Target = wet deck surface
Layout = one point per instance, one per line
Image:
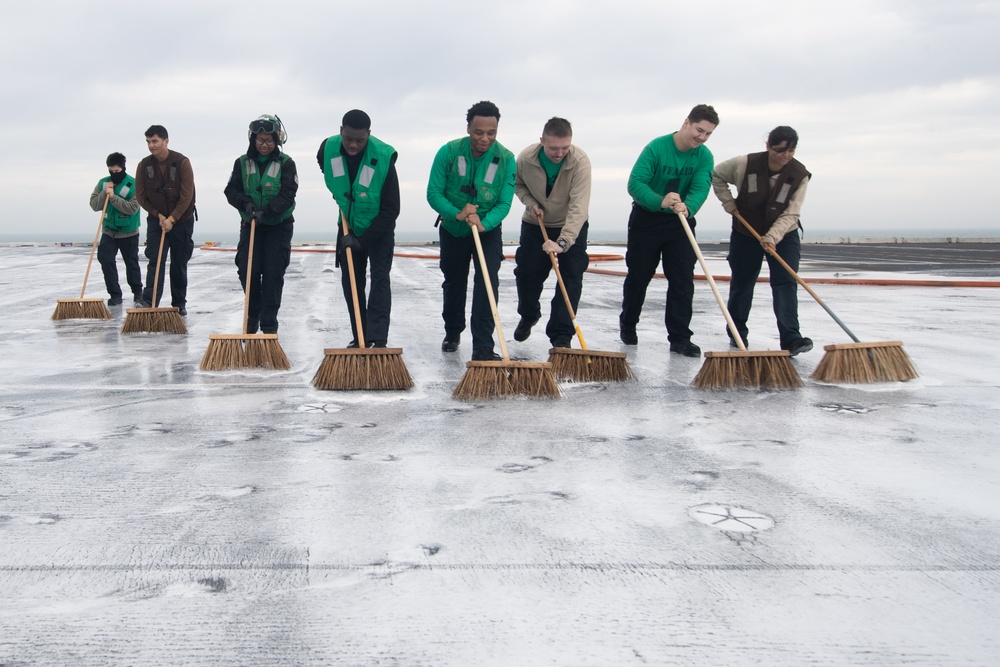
(154, 514)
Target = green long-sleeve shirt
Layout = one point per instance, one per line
(491, 188)
(661, 168)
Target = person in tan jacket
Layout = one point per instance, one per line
(553, 182)
(771, 188)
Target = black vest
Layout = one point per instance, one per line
(757, 201)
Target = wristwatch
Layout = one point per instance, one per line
(562, 243)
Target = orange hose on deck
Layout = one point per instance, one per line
(880, 282)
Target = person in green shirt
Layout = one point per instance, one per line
(471, 185)
(672, 176)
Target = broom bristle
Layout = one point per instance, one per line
(81, 309)
(153, 320)
(239, 351)
(768, 369)
(590, 365)
(861, 363)
(362, 368)
(503, 379)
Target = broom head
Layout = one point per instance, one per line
(590, 365)
(362, 368)
(764, 369)
(81, 309)
(153, 320)
(239, 351)
(503, 379)
(860, 363)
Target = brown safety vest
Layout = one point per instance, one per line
(164, 190)
(757, 201)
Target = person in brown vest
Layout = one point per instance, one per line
(771, 187)
(164, 186)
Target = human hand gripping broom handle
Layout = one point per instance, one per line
(711, 281)
(774, 253)
(562, 286)
(354, 285)
(97, 238)
(159, 258)
(489, 291)
(246, 295)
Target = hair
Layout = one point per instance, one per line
(557, 127)
(157, 130)
(703, 112)
(115, 159)
(357, 119)
(484, 109)
(781, 134)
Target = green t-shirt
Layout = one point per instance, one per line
(551, 170)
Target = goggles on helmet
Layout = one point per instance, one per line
(264, 125)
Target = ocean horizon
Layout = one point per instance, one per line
(313, 234)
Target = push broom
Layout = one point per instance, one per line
(771, 369)
(501, 379)
(361, 367)
(85, 309)
(238, 351)
(154, 320)
(856, 362)
(583, 365)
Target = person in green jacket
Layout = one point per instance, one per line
(120, 230)
(471, 185)
(672, 176)
(262, 186)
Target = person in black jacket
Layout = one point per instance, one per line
(360, 172)
(263, 186)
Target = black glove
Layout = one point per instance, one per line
(248, 208)
(350, 241)
(259, 215)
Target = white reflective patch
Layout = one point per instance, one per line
(251, 167)
(783, 193)
(124, 192)
(491, 173)
(366, 175)
(752, 182)
(337, 166)
(461, 165)
(274, 169)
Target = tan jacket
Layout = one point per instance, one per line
(568, 205)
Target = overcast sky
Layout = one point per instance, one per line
(897, 104)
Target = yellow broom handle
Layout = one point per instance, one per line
(159, 258)
(354, 285)
(489, 291)
(97, 238)
(246, 295)
(562, 285)
(711, 281)
(798, 279)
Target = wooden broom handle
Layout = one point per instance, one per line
(159, 258)
(711, 281)
(97, 238)
(489, 291)
(354, 285)
(246, 295)
(798, 279)
(562, 285)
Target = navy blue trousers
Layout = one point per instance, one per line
(745, 258)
